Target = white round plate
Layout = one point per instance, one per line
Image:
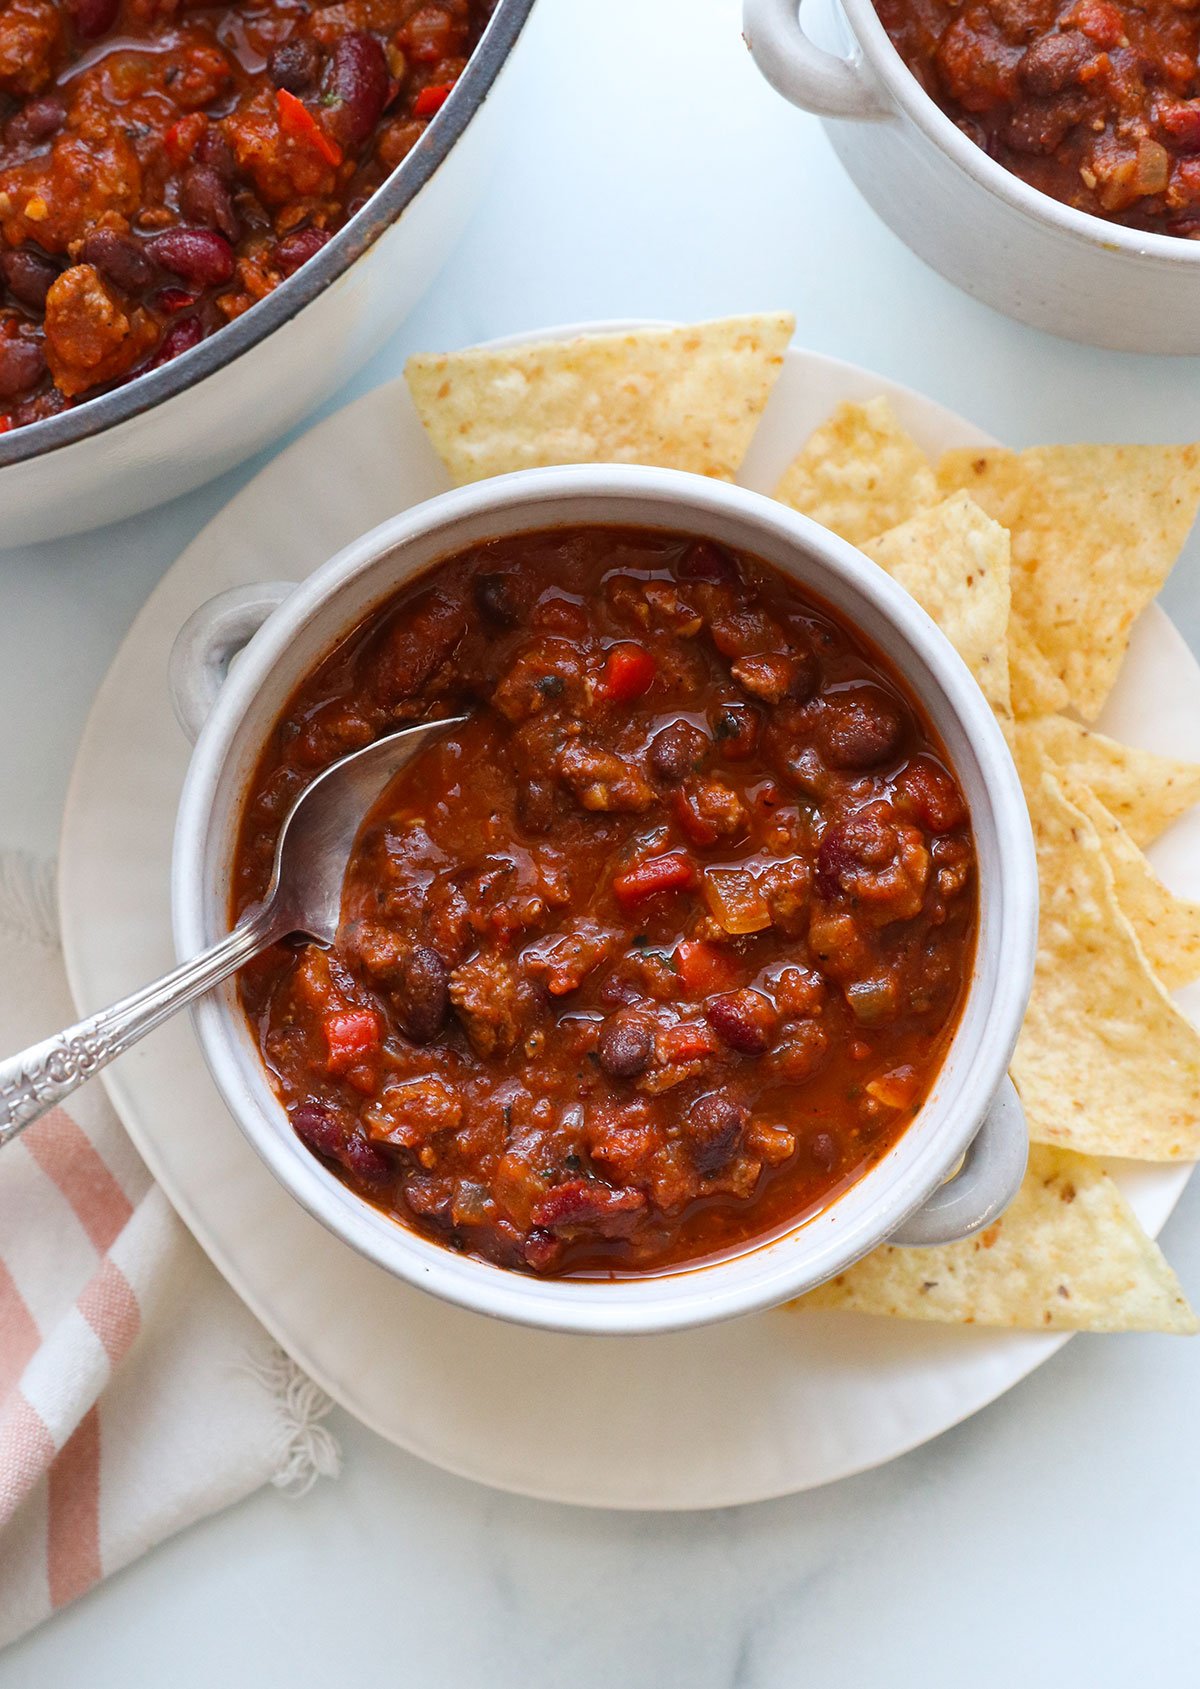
(758, 1407)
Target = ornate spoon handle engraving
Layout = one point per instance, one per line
(46, 1073)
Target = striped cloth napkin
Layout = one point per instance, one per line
(137, 1394)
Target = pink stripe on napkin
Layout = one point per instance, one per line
(64, 1153)
(73, 1514)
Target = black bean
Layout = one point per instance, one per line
(28, 276)
(295, 64)
(422, 994)
(713, 1129)
(1054, 62)
(626, 1046)
(498, 598)
(706, 561)
(677, 751)
(859, 727)
(121, 258)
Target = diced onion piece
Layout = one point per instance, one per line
(1153, 168)
(895, 1089)
(735, 901)
(872, 1001)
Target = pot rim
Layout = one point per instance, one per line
(144, 392)
(772, 1270)
(906, 92)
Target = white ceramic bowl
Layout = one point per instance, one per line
(966, 215)
(972, 1111)
(178, 426)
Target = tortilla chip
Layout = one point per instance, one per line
(1036, 689)
(860, 473)
(1168, 927)
(1105, 1062)
(1068, 1255)
(1144, 791)
(676, 398)
(1095, 531)
(954, 561)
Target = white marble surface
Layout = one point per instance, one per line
(1054, 1536)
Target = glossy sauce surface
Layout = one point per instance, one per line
(658, 952)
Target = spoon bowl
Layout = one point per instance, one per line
(304, 897)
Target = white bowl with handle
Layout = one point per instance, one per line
(969, 218)
(956, 1166)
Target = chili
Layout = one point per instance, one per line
(565, 1027)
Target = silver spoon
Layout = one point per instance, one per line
(304, 897)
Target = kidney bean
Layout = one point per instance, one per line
(22, 362)
(93, 18)
(36, 121)
(28, 276)
(422, 994)
(180, 337)
(319, 1128)
(859, 727)
(205, 199)
(200, 257)
(357, 78)
(121, 258)
(625, 1047)
(295, 64)
(214, 151)
(296, 249)
(713, 1129)
(678, 750)
(745, 1020)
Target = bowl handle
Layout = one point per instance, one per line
(209, 641)
(986, 1182)
(803, 73)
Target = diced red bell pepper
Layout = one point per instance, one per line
(704, 968)
(173, 299)
(628, 674)
(296, 120)
(6, 423)
(673, 872)
(432, 99)
(353, 1036)
(182, 138)
(687, 1041)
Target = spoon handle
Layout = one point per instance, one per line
(41, 1076)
